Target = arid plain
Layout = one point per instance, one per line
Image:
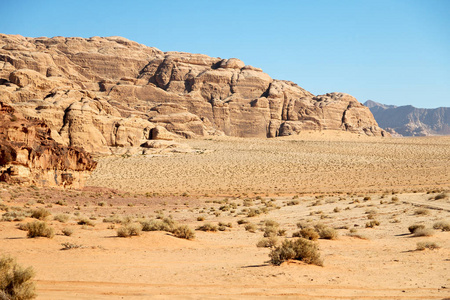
(370, 190)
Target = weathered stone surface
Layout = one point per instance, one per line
(99, 93)
(29, 155)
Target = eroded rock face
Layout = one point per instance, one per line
(29, 155)
(103, 92)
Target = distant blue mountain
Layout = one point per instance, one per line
(411, 121)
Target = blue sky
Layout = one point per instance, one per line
(394, 52)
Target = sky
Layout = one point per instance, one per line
(390, 51)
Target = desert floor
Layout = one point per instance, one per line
(339, 181)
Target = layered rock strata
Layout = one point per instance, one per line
(99, 93)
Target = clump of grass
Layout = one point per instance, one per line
(113, 219)
(298, 249)
(39, 229)
(85, 221)
(268, 242)
(184, 232)
(68, 246)
(307, 233)
(422, 212)
(326, 232)
(372, 224)
(15, 281)
(442, 225)
(63, 218)
(427, 245)
(242, 221)
(67, 231)
(414, 227)
(14, 216)
(201, 218)
(423, 232)
(250, 227)
(129, 230)
(40, 214)
(164, 224)
(207, 227)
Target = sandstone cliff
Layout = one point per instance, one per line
(102, 92)
(29, 155)
(411, 121)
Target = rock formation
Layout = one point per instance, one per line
(98, 93)
(29, 155)
(411, 121)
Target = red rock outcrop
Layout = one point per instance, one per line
(29, 155)
(103, 92)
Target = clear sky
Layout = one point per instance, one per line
(391, 51)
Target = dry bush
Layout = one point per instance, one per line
(250, 227)
(40, 214)
(326, 232)
(414, 227)
(165, 224)
(441, 196)
(14, 216)
(113, 219)
(67, 231)
(15, 281)
(201, 218)
(242, 221)
(427, 245)
(299, 249)
(307, 233)
(270, 231)
(129, 230)
(442, 225)
(422, 212)
(85, 221)
(372, 224)
(63, 218)
(423, 232)
(269, 242)
(39, 229)
(207, 227)
(68, 246)
(184, 232)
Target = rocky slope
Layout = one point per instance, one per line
(411, 121)
(29, 155)
(98, 93)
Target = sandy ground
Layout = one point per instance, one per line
(371, 263)
(309, 163)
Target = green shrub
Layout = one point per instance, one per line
(184, 232)
(39, 229)
(299, 249)
(442, 225)
(15, 281)
(129, 230)
(40, 214)
(414, 227)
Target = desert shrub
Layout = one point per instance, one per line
(129, 230)
(164, 224)
(423, 232)
(336, 209)
(422, 212)
(270, 231)
(38, 228)
(307, 233)
(85, 221)
(40, 214)
(67, 231)
(299, 249)
(113, 219)
(15, 281)
(14, 216)
(394, 199)
(242, 221)
(442, 225)
(22, 226)
(301, 225)
(222, 228)
(102, 203)
(229, 225)
(207, 227)
(414, 227)
(268, 242)
(427, 245)
(63, 218)
(281, 232)
(271, 223)
(441, 196)
(372, 224)
(326, 232)
(184, 232)
(250, 227)
(68, 246)
(293, 202)
(253, 212)
(200, 218)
